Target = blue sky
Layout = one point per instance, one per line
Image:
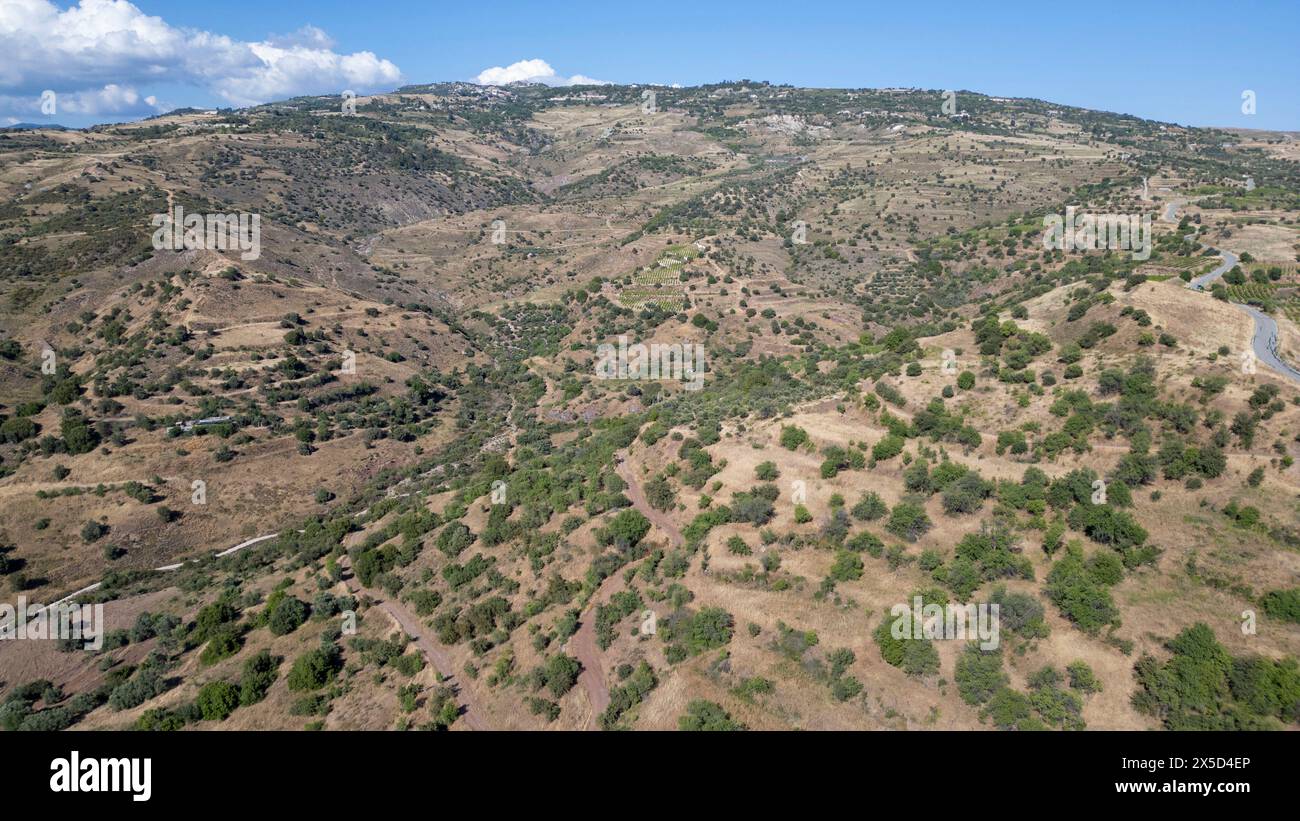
(1187, 63)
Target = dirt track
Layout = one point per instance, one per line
(436, 656)
(657, 517)
(583, 644)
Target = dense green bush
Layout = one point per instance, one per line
(888, 447)
(979, 674)
(914, 656)
(1202, 687)
(287, 615)
(144, 685)
(793, 437)
(869, 508)
(625, 530)
(1020, 613)
(847, 567)
(1282, 604)
(259, 674)
(966, 494)
(313, 669)
(908, 521)
(217, 700)
(560, 673)
(622, 699)
(1081, 597)
(709, 628)
(865, 542)
(704, 715)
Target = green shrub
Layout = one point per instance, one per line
(908, 521)
(847, 567)
(313, 669)
(914, 656)
(1080, 597)
(869, 508)
(217, 700)
(1202, 687)
(287, 615)
(1282, 604)
(259, 674)
(709, 716)
(1082, 678)
(793, 437)
(979, 674)
(888, 447)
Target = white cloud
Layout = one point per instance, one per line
(531, 71)
(111, 99)
(301, 70)
(99, 45)
(308, 36)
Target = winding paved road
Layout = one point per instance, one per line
(1264, 343)
(1229, 260)
(1264, 340)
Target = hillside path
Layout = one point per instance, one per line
(437, 657)
(583, 643)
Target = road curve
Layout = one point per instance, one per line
(1264, 340)
(1229, 261)
(1264, 343)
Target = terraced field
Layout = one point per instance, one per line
(660, 283)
